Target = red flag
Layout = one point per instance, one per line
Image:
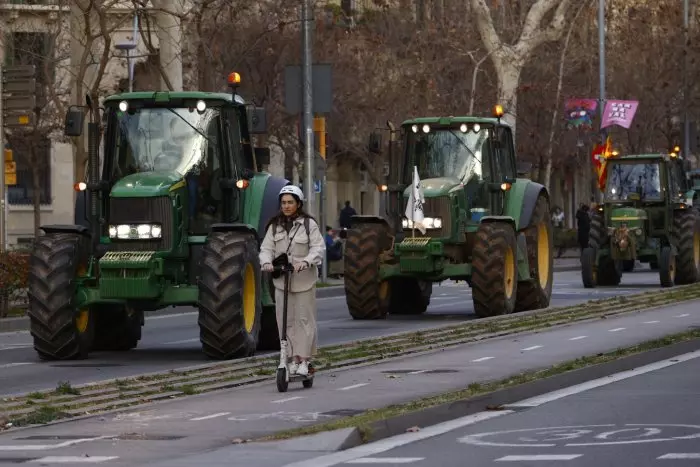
(603, 169)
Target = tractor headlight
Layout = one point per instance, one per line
(432, 222)
(135, 232)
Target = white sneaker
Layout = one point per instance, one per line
(293, 368)
(303, 369)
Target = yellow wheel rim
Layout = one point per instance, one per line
(509, 272)
(249, 297)
(696, 249)
(82, 319)
(383, 290)
(543, 254)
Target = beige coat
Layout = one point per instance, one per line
(310, 248)
(301, 306)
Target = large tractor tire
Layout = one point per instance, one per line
(406, 296)
(229, 296)
(60, 330)
(686, 227)
(608, 271)
(363, 293)
(667, 267)
(536, 293)
(494, 270)
(589, 268)
(117, 328)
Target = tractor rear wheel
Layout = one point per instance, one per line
(363, 293)
(494, 270)
(229, 295)
(589, 269)
(60, 330)
(686, 226)
(667, 267)
(536, 293)
(608, 271)
(407, 296)
(117, 328)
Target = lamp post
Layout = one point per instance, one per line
(601, 76)
(686, 92)
(127, 47)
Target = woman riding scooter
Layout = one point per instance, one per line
(294, 234)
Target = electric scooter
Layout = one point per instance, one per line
(283, 376)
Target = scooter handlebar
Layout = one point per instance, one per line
(285, 268)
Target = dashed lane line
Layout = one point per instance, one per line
(680, 455)
(577, 338)
(534, 347)
(72, 459)
(539, 457)
(354, 386)
(616, 329)
(281, 401)
(385, 460)
(209, 417)
(482, 359)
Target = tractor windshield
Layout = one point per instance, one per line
(163, 140)
(447, 153)
(642, 179)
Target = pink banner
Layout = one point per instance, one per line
(619, 113)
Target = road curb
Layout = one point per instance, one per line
(442, 413)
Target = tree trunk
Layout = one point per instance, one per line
(36, 196)
(508, 81)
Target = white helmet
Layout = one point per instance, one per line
(292, 190)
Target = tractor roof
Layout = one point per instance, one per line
(448, 121)
(165, 96)
(641, 157)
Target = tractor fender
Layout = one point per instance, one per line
(270, 203)
(235, 227)
(66, 228)
(521, 201)
(506, 219)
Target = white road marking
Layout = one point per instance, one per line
(385, 460)
(418, 372)
(577, 338)
(588, 385)
(184, 341)
(680, 455)
(46, 447)
(209, 417)
(532, 348)
(73, 459)
(354, 386)
(682, 316)
(540, 457)
(651, 322)
(397, 441)
(16, 346)
(482, 359)
(616, 329)
(10, 365)
(280, 401)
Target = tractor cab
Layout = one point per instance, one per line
(461, 161)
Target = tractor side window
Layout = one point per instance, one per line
(505, 156)
(204, 188)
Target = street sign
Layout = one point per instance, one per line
(19, 71)
(10, 179)
(317, 186)
(10, 168)
(322, 89)
(26, 103)
(19, 86)
(18, 119)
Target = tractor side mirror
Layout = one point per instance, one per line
(257, 121)
(75, 120)
(262, 156)
(375, 143)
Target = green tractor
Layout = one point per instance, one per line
(483, 225)
(172, 218)
(646, 215)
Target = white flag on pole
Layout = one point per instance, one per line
(414, 208)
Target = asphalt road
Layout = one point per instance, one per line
(199, 430)
(172, 341)
(647, 420)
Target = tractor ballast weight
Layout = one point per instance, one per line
(172, 214)
(485, 226)
(647, 215)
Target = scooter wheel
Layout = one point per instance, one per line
(308, 383)
(282, 383)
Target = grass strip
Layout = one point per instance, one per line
(364, 420)
(128, 392)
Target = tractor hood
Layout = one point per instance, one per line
(434, 187)
(632, 217)
(145, 184)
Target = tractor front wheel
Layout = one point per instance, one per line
(364, 294)
(686, 226)
(667, 267)
(406, 296)
(117, 328)
(229, 295)
(589, 269)
(536, 293)
(61, 330)
(494, 270)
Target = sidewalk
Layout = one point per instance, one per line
(202, 423)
